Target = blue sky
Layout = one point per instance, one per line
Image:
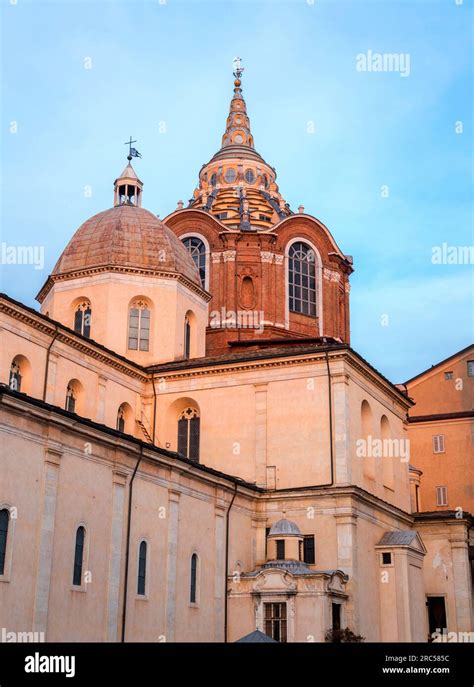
(162, 71)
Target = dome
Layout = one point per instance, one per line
(126, 236)
(285, 527)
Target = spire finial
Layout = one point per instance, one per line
(132, 152)
(238, 70)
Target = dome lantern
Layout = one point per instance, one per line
(128, 188)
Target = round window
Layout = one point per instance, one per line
(238, 120)
(249, 176)
(238, 138)
(230, 175)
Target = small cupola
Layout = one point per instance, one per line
(284, 541)
(128, 187)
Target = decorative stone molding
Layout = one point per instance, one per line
(216, 257)
(229, 255)
(279, 259)
(347, 287)
(331, 275)
(266, 256)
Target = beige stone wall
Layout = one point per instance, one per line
(89, 487)
(111, 295)
(270, 424)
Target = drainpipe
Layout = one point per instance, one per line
(154, 408)
(127, 551)
(227, 561)
(46, 369)
(331, 439)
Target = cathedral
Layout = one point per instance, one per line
(191, 449)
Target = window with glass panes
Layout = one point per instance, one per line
(302, 279)
(188, 433)
(141, 582)
(82, 319)
(139, 327)
(197, 250)
(275, 621)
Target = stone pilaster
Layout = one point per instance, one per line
(173, 513)
(115, 555)
(46, 538)
(346, 532)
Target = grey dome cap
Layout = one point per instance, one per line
(285, 527)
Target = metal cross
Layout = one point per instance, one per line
(129, 144)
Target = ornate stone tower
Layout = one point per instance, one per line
(272, 274)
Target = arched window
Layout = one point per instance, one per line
(197, 250)
(139, 327)
(302, 279)
(188, 433)
(79, 556)
(141, 582)
(193, 581)
(187, 338)
(82, 318)
(15, 376)
(70, 399)
(4, 520)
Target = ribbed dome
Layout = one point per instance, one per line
(284, 527)
(126, 236)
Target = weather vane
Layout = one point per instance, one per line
(238, 69)
(132, 152)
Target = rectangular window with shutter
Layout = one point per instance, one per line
(438, 443)
(441, 496)
(280, 549)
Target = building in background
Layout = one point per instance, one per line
(441, 433)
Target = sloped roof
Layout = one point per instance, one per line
(256, 637)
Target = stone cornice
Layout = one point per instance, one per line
(284, 361)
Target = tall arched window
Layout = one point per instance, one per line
(4, 520)
(193, 581)
(15, 376)
(79, 556)
(82, 318)
(188, 433)
(302, 279)
(141, 581)
(139, 326)
(197, 250)
(187, 338)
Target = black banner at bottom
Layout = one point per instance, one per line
(143, 664)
